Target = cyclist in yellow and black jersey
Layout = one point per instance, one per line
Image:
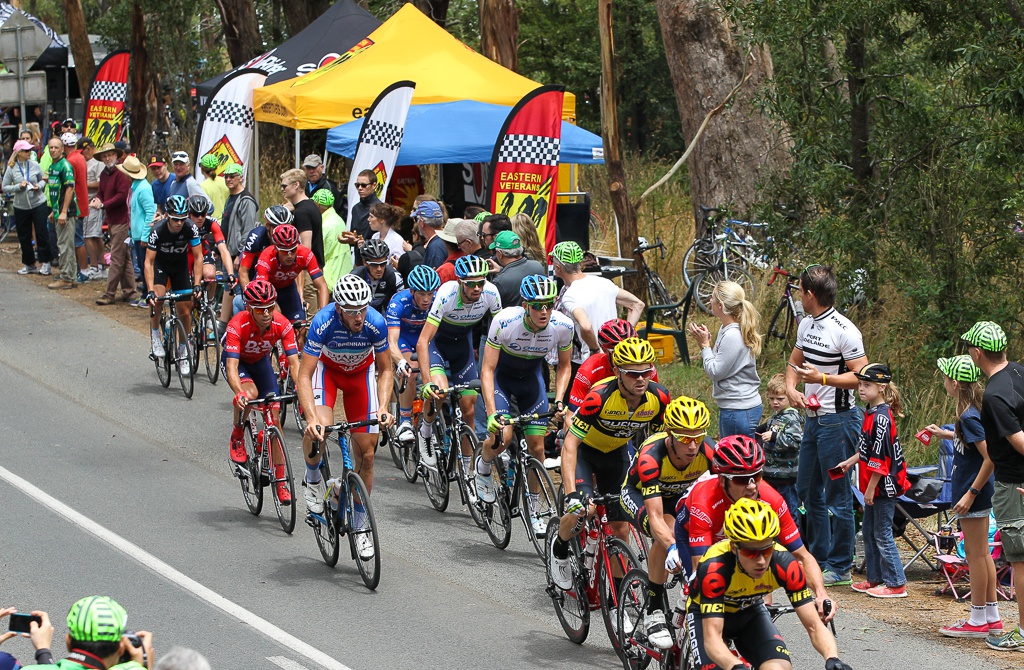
(594, 451)
(727, 597)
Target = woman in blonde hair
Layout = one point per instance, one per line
(732, 362)
(526, 229)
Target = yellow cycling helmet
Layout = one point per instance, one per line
(751, 521)
(685, 413)
(633, 351)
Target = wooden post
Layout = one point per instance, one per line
(625, 213)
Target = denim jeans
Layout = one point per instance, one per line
(881, 558)
(828, 440)
(788, 493)
(739, 421)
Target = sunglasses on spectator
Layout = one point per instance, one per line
(363, 185)
(473, 283)
(807, 270)
(756, 552)
(353, 312)
(638, 374)
(285, 186)
(541, 306)
(688, 439)
(744, 480)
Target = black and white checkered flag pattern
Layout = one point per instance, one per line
(532, 149)
(233, 113)
(382, 134)
(109, 90)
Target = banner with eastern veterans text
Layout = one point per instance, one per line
(227, 122)
(104, 112)
(524, 179)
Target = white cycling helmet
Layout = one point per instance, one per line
(351, 290)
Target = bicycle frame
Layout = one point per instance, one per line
(342, 430)
(520, 454)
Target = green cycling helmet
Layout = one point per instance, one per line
(97, 619)
(323, 196)
(209, 162)
(959, 368)
(567, 252)
(985, 335)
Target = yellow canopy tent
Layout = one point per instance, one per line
(407, 46)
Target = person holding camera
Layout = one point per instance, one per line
(35, 626)
(98, 640)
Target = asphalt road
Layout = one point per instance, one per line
(111, 484)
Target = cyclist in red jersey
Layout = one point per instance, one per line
(738, 462)
(281, 263)
(248, 343)
(599, 365)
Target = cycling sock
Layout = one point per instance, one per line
(426, 427)
(655, 595)
(483, 467)
(991, 612)
(560, 548)
(405, 413)
(155, 332)
(313, 474)
(467, 462)
(977, 615)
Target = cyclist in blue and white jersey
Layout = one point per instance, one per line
(406, 314)
(447, 341)
(512, 368)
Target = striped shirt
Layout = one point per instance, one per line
(828, 341)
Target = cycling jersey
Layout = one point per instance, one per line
(454, 318)
(594, 368)
(604, 421)
(703, 516)
(881, 453)
(722, 588)
(173, 250)
(403, 314)
(523, 349)
(338, 347)
(383, 289)
(257, 240)
(210, 235)
(828, 341)
(243, 339)
(653, 474)
(268, 267)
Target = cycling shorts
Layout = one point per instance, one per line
(607, 470)
(175, 278)
(211, 258)
(406, 346)
(635, 506)
(530, 396)
(261, 374)
(751, 630)
(457, 357)
(290, 303)
(358, 392)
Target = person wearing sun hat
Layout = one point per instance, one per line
(112, 200)
(141, 213)
(1002, 417)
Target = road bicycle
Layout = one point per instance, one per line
(788, 313)
(285, 383)
(448, 429)
(7, 225)
(405, 456)
(658, 294)
(177, 350)
(347, 508)
(517, 477)
(728, 254)
(267, 461)
(205, 339)
(597, 563)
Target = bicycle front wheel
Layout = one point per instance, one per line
(326, 534)
(281, 481)
(536, 514)
(633, 593)
(497, 516)
(571, 607)
(362, 533)
(659, 295)
(249, 474)
(181, 350)
(163, 363)
(618, 561)
(702, 256)
(211, 344)
(411, 456)
(706, 284)
(435, 477)
(467, 476)
(395, 411)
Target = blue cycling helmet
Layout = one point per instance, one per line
(471, 267)
(423, 278)
(538, 287)
(176, 207)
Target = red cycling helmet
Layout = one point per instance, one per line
(285, 237)
(613, 332)
(738, 455)
(259, 293)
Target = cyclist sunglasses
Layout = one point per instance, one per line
(638, 374)
(376, 264)
(541, 306)
(743, 480)
(263, 310)
(756, 552)
(353, 312)
(473, 283)
(689, 439)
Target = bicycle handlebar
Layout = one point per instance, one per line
(272, 398)
(174, 296)
(526, 418)
(346, 426)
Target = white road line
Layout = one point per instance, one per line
(171, 574)
(286, 663)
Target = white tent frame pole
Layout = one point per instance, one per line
(298, 158)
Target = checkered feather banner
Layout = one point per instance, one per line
(104, 112)
(227, 121)
(380, 138)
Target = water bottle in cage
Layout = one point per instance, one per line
(590, 547)
(510, 473)
(334, 494)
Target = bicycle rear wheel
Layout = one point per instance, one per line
(435, 478)
(327, 539)
(702, 256)
(545, 508)
(707, 283)
(250, 473)
(780, 329)
(633, 594)
(363, 531)
(211, 344)
(571, 607)
(497, 516)
(640, 545)
(182, 351)
(659, 295)
(620, 559)
(285, 510)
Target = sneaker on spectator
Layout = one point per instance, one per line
(995, 627)
(83, 277)
(832, 578)
(28, 270)
(862, 587)
(1012, 641)
(886, 591)
(141, 303)
(61, 285)
(45, 269)
(964, 628)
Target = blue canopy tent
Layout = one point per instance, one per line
(461, 132)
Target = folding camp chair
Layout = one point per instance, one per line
(949, 554)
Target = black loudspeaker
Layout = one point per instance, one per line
(572, 221)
